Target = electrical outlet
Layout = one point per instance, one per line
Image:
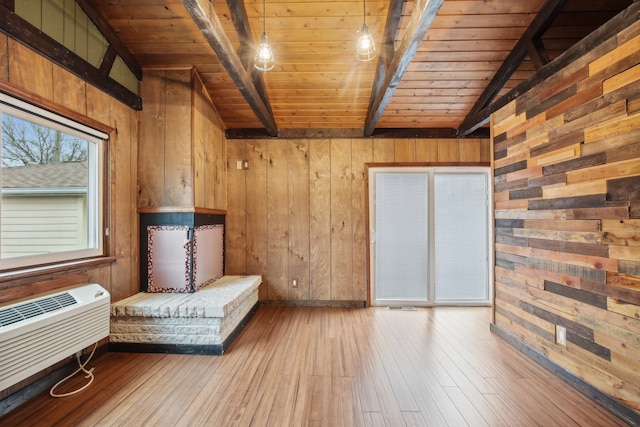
(561, 335)
(294, 283)
(239, 165)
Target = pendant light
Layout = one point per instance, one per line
(264, 60)
(366, 49)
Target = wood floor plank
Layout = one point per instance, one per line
(368, 395)
(277, 416)
(374, 419)
(573, 405)
(514, 393)
(423, 387)
(414, 419)
(513, 415)
(178, 398)
(141, 385)
(320, 366)
(468, 410)
(352, 414)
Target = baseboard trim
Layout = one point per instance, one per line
(614, 406)
(134, 347)
(314, 303)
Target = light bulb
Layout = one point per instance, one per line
(366, 49)
(264, 60)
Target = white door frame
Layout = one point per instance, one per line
(371, 212)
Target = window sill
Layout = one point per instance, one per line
(18, 277)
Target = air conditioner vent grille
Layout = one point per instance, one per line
(35, 308)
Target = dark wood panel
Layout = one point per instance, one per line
(559, 178)
(516, 259)
(540, 107)
(564, 141)
(612, 290)
(593, 275)
(529, 193)
(590, 346)
(511, 168)
(509, 223)
(629, 267)
(590, 201)
(591, 298)
(508, 240)
(576, 328)
(506, 142)
(570, 247)
(624, 189)
(541, 332)
(507, 265)
(579, 163)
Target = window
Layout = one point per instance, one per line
(52, 187)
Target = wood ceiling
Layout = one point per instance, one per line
(435, 58)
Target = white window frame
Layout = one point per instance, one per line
(95, 182)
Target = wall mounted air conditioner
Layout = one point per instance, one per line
(41, 331)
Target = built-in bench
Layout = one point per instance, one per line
(204, 322)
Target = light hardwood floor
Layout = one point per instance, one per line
(329, 367)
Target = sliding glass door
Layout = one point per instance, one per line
(429, 235)
(461, 237)
(401, 237)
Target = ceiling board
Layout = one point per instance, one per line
(317, 82)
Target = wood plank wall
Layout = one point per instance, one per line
(28, 71)
(567, 216)
(209, 157)
(299, 211)
(40, 79)
(182, 145)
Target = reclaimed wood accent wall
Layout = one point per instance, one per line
(567, 217)
(36, 77)
(299, 211)
(182, 146)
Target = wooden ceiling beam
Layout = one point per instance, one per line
(612, 27)
(422, 16)
(387, 46)
(108, 59)
(241, 23)
(538, 26)
(538, 53)
(349, 133)
(19, 29)
(204, 16)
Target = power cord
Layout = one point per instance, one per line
(89, 374)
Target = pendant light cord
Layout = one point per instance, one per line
(264, 17)
(364, 12)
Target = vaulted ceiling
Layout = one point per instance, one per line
(440, 63)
